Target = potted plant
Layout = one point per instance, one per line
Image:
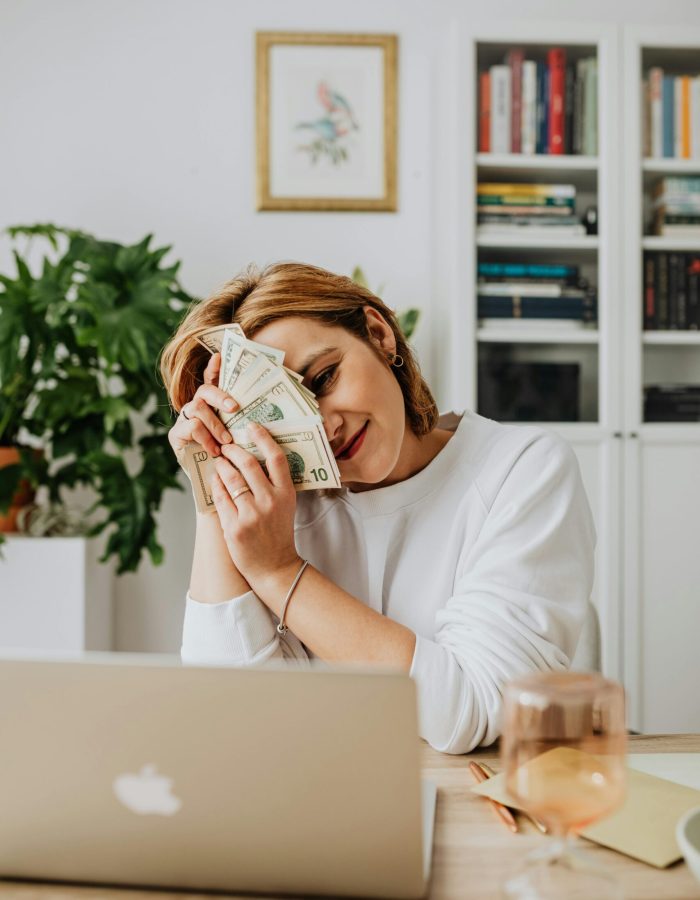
(81, 404)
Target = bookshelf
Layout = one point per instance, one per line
(594, 349)
(640, 476)
(660, 459)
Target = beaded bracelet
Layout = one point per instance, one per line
(281, 627)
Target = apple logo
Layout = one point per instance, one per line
(147, 793)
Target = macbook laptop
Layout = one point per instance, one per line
(136, 770)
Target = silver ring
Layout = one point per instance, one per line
(240, 491)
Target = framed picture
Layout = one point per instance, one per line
(326, 121)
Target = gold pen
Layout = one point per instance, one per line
(503, 812)
(540, 826)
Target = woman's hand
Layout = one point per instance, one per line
(256, 511)
(198, 421)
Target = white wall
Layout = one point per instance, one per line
(124, 117)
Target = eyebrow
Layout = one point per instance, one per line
(310, 360)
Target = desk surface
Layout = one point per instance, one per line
(472, 850)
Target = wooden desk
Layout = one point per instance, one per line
(472, 850)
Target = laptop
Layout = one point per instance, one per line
(136, 770)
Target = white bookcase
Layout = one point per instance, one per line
(641, 478)
(661, 461)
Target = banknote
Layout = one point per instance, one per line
(311, 463)
(276, 398)
(213, 338)
(304, 444)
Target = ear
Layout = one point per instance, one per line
(380, 332)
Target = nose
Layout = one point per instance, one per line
(332, 421)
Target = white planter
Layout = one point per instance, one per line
(54, 594)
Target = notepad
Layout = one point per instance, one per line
(644, 827)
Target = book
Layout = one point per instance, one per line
(528, 126)
(677, 115)
(590, 109)
(500, 140)
(569, 81)
(525, 209)
(668, 107)
(556, 63)
(695, 118)
(649, 318)
(541, 109)
(530, 231)
(581, 65)
(655, 121)
(685, 116)
(543, 200)
(514, 60)
(519, 289)
(527, 270)
(484, 112)
(499, 188)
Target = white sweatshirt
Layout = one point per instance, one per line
(486, 554)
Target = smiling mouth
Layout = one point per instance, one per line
(354, 444)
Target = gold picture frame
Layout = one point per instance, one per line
(284, 171)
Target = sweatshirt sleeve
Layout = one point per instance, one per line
(519, 598)
(241, 631)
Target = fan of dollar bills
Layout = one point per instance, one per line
(272, 395)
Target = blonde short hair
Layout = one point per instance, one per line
(256, 297)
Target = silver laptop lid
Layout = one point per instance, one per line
(137, 770)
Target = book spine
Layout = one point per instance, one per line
(656, 76)
(516, 189)
(682, 301)
(673, 270)
(649, 276)
(526, 270)
(556, 63)
(662, 292)
(590, 133)
(540, 146)
(578, 104)
(695, 117)
(500, 109)
(685, 116)
(514, 60)
(529, 108)
(484, 112)
(668, 115)
(694, 294)
(569, 81)
(677, 116)
(528, 199)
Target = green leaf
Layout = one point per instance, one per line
(9, 482)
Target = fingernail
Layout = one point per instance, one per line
(230, 405)
(215, 451)
(225, 437)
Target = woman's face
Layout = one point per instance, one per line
(359, 397)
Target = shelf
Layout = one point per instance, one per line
(688, 338)
(671, 243)
(545, 167)
(586, 242)
(671, 166)
(529, 335)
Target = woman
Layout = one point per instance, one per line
(458, 549)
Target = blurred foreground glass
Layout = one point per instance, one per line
(563, 752)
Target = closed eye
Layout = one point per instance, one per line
(321, 382)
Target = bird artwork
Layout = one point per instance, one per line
(329, 132)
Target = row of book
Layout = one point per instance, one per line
(545, 295)
(671, 115)
(541, 210)
(672, 403)
(676, 207)
(546, 106)
(671, 291)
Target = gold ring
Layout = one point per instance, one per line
(239, 492)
